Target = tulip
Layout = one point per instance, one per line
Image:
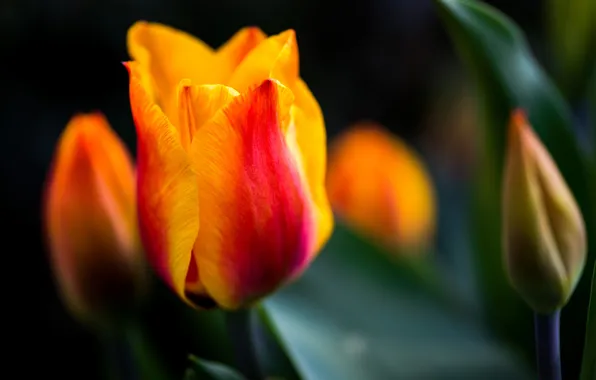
(231, 163)
(380, 187)
(544, 233)
(90, 220)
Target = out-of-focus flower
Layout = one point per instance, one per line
(544, 233)
(379, 186)
(231, 163)
(90, 220)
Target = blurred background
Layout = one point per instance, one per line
(384, 60)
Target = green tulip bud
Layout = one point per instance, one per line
(544, 232)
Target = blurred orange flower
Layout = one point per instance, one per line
(380, 187)
(90, 219)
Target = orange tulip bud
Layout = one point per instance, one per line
(544, 233)
(380, 187)
(90, 219)
(231, 163)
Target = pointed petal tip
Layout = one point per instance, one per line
(87, 122)
(267, 88)
(254, 31)
(184, 85)
(272, 88)
(137, 25)
(518, 124)
(128, 66)
(519, 116)
(267, 85)
(288, 37)
(95, 117)
(289, 34)
(139, 22)
(78, 117)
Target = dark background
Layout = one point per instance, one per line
(384, 60)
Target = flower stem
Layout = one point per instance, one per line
(548, 352)
(239, 325)
(119, 357)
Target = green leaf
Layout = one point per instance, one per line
(273, 360)
(130, 351)
(357, 314)
(574, 48)
(591, 95)
(507, 76)
(589, 357)
(175, 329)
(202, 369)
(149, 364)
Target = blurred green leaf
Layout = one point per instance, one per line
(357, 314)
(507, 76)
(592, 109)
(202, 369)
(149, 364)
(273, 360)
(574, 47)
(589, 357)
(173, 330)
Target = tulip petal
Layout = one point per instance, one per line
(312, 142)
(169, 55)
(167, 189)
(276, 58)
(565, 218)
(90, 211)
(258, 221)
(233, 52)
(528, 226)
(114, 172)
(198, 104)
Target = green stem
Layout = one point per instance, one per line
(129, 354)
(239, 325)
(120, 361)
(588, 370)
(548, 353)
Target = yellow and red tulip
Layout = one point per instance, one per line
(231, 163)
(380, 187)
(90, 219)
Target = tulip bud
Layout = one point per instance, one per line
(544, 233)
(381, 188)
(90, 220)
